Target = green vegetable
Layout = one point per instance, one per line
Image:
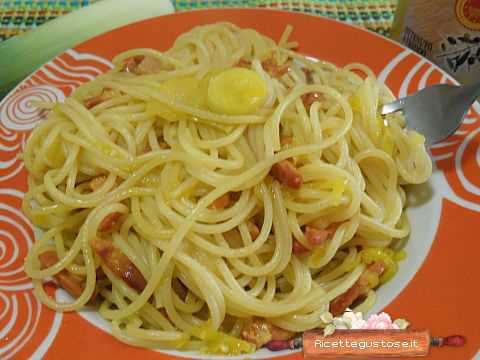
(23, 54)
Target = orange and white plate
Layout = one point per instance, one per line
(437, 286)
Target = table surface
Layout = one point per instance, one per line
(18, 16)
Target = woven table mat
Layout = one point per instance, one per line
(18, 16)
(376, 15)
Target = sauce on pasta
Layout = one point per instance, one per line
(221, 194)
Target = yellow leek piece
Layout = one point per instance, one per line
(236, 91)
(386, 256)
(217, 342)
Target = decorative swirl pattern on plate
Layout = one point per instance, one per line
(16, 236)
(459, 159)
(18, 112)
(19, 318)
(27, 329)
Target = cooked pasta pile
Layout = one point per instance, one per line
(221, 194)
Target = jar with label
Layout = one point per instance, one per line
(445, 31)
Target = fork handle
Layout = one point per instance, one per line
(472, 90)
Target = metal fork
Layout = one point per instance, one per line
(436, 111)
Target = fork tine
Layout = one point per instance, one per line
(393, 106)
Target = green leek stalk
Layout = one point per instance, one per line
(23, 54)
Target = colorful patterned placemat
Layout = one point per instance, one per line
(376, 15)
(18, 16)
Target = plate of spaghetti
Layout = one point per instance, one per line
(204, 183)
